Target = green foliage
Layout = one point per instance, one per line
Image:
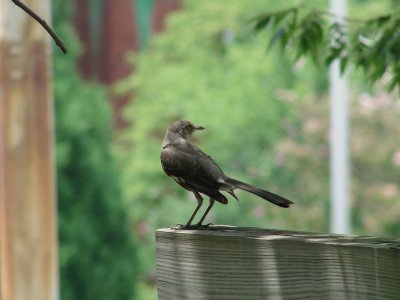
(266, 122)
(96, 250)
(375, 164)
(371, 44)
(203, 68)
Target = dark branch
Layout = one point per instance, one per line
(42, 22)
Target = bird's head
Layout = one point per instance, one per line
(184, 128)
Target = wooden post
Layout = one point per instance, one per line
(252, 263)
(28, 252)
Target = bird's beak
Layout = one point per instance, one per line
(199, 127)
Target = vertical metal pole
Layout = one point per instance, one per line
(339, 159)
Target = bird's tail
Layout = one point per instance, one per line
(271, 197)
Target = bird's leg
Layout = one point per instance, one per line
(199, 204)
(212, 201)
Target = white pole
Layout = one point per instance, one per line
(339, 159)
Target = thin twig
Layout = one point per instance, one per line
(42, 22)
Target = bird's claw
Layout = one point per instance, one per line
(177, 227)
(204, 226)
(183, 227)
(190, 226)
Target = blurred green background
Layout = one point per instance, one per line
(266, 122)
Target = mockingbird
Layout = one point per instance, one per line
(197, 172)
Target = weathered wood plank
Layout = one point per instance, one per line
(250, 263)
(28, 252)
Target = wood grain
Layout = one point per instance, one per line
(28, 243)
(251, 263)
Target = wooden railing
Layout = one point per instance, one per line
(252, 263)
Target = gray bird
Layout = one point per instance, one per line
(197, 172)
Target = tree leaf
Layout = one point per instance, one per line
(382, 19)
(278, 34)
(395, 81)
(262, 23)
(317, 29)
(343, 64)
(374, 44)
(334, 53)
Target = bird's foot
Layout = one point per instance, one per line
(204, 226)
(190, 226)
(177, 227)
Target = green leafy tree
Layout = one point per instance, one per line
(205, 69)
(266, 121)
(371, 44)
(303, 155)
(97, 254)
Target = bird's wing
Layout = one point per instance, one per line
(207, 158)
(192, 166)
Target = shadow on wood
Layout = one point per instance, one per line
(250, 263)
